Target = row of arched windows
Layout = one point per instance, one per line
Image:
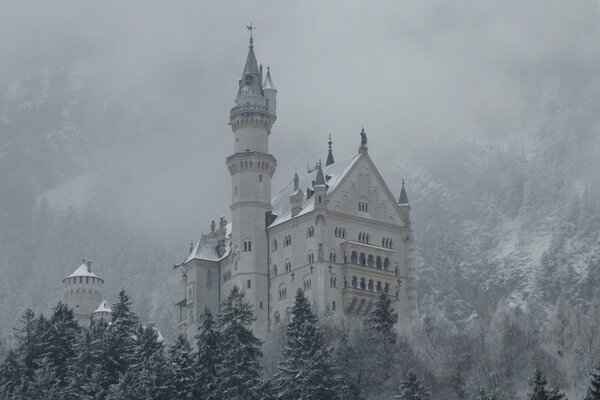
(363, 237)
(369, 260)
(282, 293)
(310, 232)
(332, 256)
(369, 285)
(387, 242)
(288, 316)
(363, 206)
(307, 284)
(332, 281)
(340, 232)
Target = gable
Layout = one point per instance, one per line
(363, 192)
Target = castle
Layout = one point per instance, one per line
(337, 233)
(83, 294)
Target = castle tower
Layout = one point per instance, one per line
(103, 312)
(83, 292)
(251, 168)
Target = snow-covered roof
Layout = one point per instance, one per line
(334, 172)
(82, 270)
(206, 247)
(103, 307)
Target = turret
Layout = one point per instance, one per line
(320, 188)
(83, 292)
(297, 197)
(270, 93)
(103, 312)
(404, 204)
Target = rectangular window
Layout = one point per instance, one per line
(249, 284)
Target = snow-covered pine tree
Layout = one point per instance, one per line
(11, 377)
(44, 386)
(308, 371)
(483, 395)
(539, 390)
(383, 318)
(413, 388)
(594, 388)
(239, 372)
(118, 344)
(208, 358)
(60, 348)
(27, 348)
(183, 368)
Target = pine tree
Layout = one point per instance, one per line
(118, 346)
(539, 391)
(240, 369)
(11, 377)
(483, 395)
(594, 388)
(183, 368)
(61, 341)
(27, 348)
(308, 370)
(413, 389)
(208, 357)
(383, 318)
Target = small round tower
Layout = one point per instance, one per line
(83, 292)
(103, 312)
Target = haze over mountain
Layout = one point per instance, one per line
(113, 137)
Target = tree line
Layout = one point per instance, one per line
(55, 358)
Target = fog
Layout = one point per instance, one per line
(412, 73)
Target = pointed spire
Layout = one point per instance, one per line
(330, 159)
(251, 82)
(320, 180)
(268, 81)
(296, 182)
(403, 200)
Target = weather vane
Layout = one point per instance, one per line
(251, 28)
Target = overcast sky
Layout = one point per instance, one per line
(413, 72)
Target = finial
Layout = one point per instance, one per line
(330, 142)
(251, 27)
(363, 138)
(330, 153)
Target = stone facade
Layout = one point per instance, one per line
(337, 232)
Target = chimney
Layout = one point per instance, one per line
(89, 266)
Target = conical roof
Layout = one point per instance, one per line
(268, 81)
(250, 84)
(103, 307)
(82, 270)
(330, 159)
(320, 179)
(403, 197)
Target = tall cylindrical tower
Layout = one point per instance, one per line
(251, 168)
(83, 292)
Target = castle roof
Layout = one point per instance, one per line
(103, 307)
(335, 174)
(250, 84)
(82, 270)
(268, 81)
(205, 248)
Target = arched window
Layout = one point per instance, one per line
(247, 245)
(354, 258)
(288, 266)
(310, 231)
(248, 284)
(386, 263)
(333, 305)
(370, 287)
(288, 314)
(362, 259)
(370, 260)
(378, 287)
(363, 285)
(274, 269)
(277, 317)
(354, 282)
(378, 262)
(274, 245)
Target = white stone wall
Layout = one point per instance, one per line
(82, 295)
